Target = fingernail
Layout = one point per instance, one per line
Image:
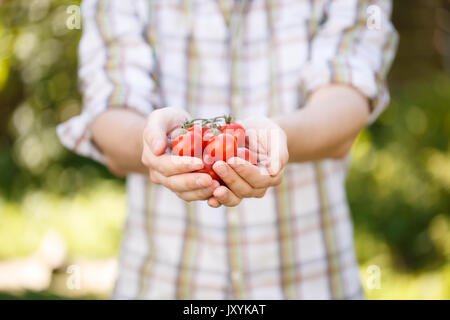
(233, 161)
(196, 165)
(236, 161)
(221, 170)
(202, 182)
(219, 194)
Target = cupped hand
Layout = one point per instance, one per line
(244, 180)
(174, 172)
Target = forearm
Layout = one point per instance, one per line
(327, 125)
(118, 135)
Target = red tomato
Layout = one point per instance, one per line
(247, 155)
(192, 128)
(237, 131)
(196, 127)
(212, 142)
(221, 147)
(207, 168)
(208, 134)
(188, 144)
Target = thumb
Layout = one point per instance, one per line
(159, 143)
(155, 138)
(278, 152)
(160, 123)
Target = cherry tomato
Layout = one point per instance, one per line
(247, 155)
(188, 144)
(196, 127)
(208, 134)
(212, 142)
(207, 168)
(237, 131)
(221, 147)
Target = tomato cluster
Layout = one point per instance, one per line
(212, 140)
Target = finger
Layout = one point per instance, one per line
(176, 132)
(169, 165)
(199, 194)
(256, 176)
(247, 155)
(213, 202)
(275, 163)
(278, 154)
(183, 182)
(233, 181)
(261, 193)
(226, 197)
(257, 140)
(278, 178)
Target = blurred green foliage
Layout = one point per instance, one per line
(398, 187)
(90, 221)
(38, 89)
(400, 183)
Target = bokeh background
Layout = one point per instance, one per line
(60, 212)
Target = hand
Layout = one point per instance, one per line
(174, 172)
(244, 180)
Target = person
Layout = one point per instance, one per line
(311, 71)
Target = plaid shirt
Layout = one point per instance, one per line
(241, 58)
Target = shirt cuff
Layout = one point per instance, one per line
(76, 135)
(357, 75)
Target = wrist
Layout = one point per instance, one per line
(137, 136)
(118, 133)
(292, 127)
